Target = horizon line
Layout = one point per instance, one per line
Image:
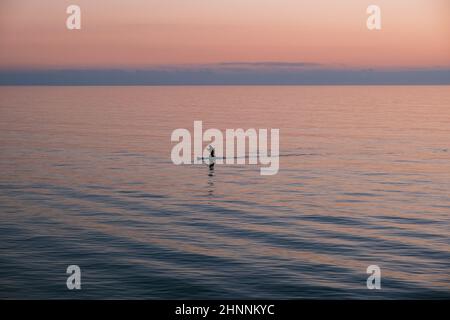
(231, 74)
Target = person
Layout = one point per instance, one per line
(212, 155)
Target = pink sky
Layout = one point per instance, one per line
(133, 33)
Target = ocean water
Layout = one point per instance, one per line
(86, 179)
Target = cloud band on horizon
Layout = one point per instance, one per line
(230, 73)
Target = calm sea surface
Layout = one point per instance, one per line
(86, 178)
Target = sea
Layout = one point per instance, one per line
(87, 179)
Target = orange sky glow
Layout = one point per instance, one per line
(139, 34)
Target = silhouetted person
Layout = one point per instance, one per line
(212, 160)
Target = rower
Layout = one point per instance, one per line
(212, 156)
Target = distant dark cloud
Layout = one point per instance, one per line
(270, 64)
(230, 73)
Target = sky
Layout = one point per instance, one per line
(247, 38)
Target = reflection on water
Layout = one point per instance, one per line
(211, 182)
(86, 179)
